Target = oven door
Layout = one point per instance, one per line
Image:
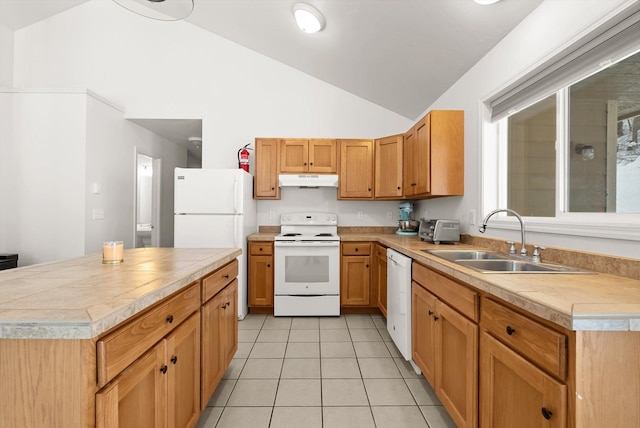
(305, 268)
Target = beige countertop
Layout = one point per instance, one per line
(81, 298)
(574, 301)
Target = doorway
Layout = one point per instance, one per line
(147, 213)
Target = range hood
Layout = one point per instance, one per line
(308, 180)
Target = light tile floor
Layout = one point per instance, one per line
(321, 372)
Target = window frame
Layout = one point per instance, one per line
(494, 158)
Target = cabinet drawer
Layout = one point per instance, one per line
(126, 344)
(212, 284)
(545, 347)
(380, 252)
(458, 296)
(260, 248)
(356, 249)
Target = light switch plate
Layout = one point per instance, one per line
(98, 214)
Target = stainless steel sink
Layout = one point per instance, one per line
(491, 262)
(453, 255)
(517, 266)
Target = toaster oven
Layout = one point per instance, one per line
(439, 230)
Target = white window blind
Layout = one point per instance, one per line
(613, 41)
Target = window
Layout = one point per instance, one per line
(566, 137)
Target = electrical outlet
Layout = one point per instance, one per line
(472, 217)
(389, 215)
(360, 215)
(425, 215)
(272, 214)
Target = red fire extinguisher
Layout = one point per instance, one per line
(243, 157)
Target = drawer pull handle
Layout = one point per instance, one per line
(174, 359)
(430, 312)
(546, 413)
(357, 250)
(510, 330)
(226, 276)
(170, 319)
(268, 265)
(436, 318)
(260, 249)
(163, 369)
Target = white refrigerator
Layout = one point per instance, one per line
(214, 208)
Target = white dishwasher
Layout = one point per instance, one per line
(399, 301)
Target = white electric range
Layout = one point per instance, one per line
(307, 265)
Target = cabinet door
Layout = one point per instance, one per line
(381, 278)
(183, 375)
(136, 398)
(230, 323)
(266, 164)
(515, 393)
(260, 280)
(388, 167)
(323, 156)
(211, 351)
(447, 152)
(423, 339)
(422, 156)
(457, 365)
(409, 148)
(355, 279)
(356, 169)
(294, 156)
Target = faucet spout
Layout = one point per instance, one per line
(483, 228)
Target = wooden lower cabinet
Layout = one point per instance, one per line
(219, 338)
(261, 270)
(161, 389)
(515, 393)
(457, 365)
(380, 277)
(355, 274)
(445, 348)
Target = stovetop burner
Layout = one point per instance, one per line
(323, 234)
(291, 234)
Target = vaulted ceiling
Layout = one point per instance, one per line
(399, 54)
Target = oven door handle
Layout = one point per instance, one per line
(314, 244)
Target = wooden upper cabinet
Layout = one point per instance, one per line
(434, 155)
(356, 169)
(388, 167)
(308, 155)
(266, 164)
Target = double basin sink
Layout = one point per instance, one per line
(492, 262)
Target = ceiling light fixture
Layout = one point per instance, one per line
(161, 10)
(484, 2)
(308, 18)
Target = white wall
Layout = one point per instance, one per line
(42, 175)
(554, 24)
(174, 70)
(6, 56)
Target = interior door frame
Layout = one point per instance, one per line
(156, 193)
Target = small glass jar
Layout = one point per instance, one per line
(112, 252)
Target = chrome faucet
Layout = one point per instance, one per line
(483, 228)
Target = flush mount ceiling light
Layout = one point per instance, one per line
(483, 2)
(308, 18)
(161, 10)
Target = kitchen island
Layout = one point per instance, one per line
(70, 331)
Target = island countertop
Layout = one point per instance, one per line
(82, 298)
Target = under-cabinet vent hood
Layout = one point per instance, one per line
(308, 180)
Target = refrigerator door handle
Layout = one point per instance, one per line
(237, 232)
(236, 195)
